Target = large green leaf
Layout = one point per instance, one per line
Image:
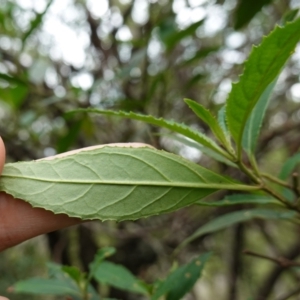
(255, 120)
(262, 67)
(182, 280)
(229, 219)
(119, 277)
(171, 125)
(113, 183)
(206, 116)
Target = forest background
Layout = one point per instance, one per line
(144, 56)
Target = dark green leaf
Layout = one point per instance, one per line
(255, 120)
(176, 37)
(240, 199)
(262, 67)
(230, 219)
(182, 280)
(246, 10)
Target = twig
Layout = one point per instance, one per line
(282, 261)
(271, 279)
(276, 180)
(295, 177)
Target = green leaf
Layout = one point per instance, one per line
(206, 151)
(173, 39)
(205, 115)
(290, 15)
(74, 273)
(115, 183)
(255, 120)
(262, 67)
(246, 10)
(236, 199)
(118, 277)
(35, 23)
(230, 219)
(101, 255)
(223, 122)
(40, 286)
(289, 166)
(182, 280)
(171, 125)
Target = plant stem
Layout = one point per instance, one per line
(282, 261)
(281, 198)
(276, 180)
(296, 184)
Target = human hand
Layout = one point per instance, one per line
(19, 221)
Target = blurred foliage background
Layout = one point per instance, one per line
(144, 56)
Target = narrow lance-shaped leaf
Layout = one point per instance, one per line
(222, 121)
(115, 183)
(255, 120)
(201, 148)
(236, 199)
(289, 166)
(171, 125)
(230, 219)
(182, 280)
(206, 116)
(262, 67)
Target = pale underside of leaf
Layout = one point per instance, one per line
(113, 183)
(263, 66)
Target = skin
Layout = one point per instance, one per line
(19, 221)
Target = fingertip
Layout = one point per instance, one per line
(2, 156)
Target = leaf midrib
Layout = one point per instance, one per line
(231, 186)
